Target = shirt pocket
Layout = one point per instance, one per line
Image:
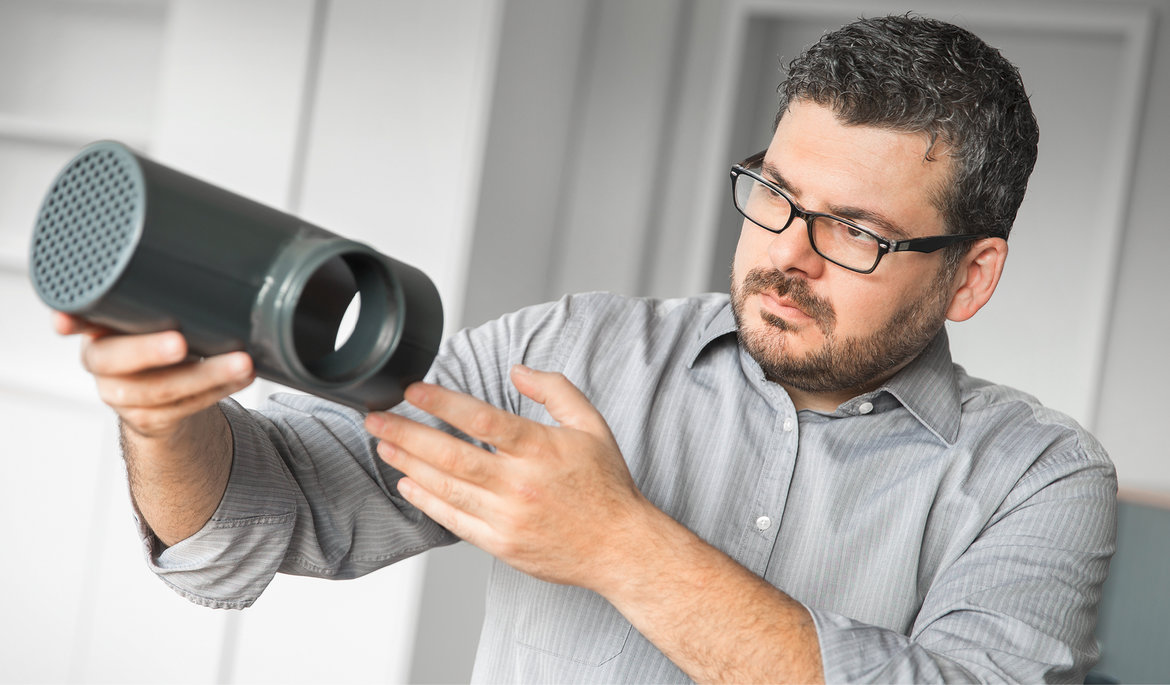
(570, 623)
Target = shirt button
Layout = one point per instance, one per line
(865, 407)
(787, 425)
(763, 523)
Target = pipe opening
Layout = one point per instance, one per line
(344, 318)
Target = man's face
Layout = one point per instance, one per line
(811, 324)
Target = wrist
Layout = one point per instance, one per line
(177, 478)
(642, 546)
(712, 617)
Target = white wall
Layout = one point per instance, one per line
(1136, 370)
(345, 112)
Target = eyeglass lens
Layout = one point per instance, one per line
(834, 240)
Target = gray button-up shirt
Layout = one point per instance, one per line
(938, 528)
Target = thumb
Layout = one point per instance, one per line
(67, 324)
(564, 402)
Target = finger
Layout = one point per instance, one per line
(440, 450)
(67, 324)
(156, 420)
(566, 404)
(177, 385)
(476, 418)
(461, 524)
(116, 355)
(460, 494)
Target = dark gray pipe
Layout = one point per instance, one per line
(128, 243)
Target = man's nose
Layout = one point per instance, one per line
(791, 251)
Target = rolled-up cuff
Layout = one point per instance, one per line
(854, 652)
(229, 562)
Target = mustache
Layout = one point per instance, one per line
(796, 290)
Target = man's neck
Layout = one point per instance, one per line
(822, 402)
(828, 401)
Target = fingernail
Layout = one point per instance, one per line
(173, 347)
(240, 364)
(375, 422)
(522, 370)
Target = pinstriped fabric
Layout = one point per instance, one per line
(938, 528)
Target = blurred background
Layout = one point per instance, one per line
(516, 150)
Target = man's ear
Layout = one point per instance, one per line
(976, 278)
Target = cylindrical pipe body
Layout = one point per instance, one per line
(136, 246)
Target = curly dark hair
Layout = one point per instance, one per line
(919, 75)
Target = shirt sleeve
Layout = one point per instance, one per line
(1020, 605)
(307, 493)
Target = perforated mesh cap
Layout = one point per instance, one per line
(87, 228)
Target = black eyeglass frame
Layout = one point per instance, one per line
(924, 244)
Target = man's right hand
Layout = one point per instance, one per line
(148, 380)
(176, 442)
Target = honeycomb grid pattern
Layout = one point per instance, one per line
(86, 223)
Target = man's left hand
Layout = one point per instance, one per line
(552, 501)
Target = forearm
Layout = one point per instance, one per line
(177, 481)
(712, 617)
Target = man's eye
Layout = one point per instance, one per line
(853, 233)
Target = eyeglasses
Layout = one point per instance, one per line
(838, 240)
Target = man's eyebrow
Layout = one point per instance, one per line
(865, 217)
(870, 219)
(770, 172)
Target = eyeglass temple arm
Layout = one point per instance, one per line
(754, 159)
(933, 243)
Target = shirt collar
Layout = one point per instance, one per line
(928, 387)
(718, 326)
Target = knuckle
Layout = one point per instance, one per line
(483, 422)
(538, 444)
(139, 420)
(506, 548)
(514, 540)
(112, 394)
(120, 394)
(155, 422)
(167, 394)
(475, 471)
(524, 492)
(444, 459)
(130, 417)
(445, 490)
(448, 458)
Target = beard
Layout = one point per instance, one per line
(853, 363)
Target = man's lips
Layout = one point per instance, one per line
(787, 300)
(783, 307)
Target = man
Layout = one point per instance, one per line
(791, 484)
